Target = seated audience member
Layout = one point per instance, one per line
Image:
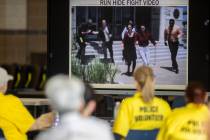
(143, 112)
(187, 123)
(15, 120)
(207, 126)
(67, 97)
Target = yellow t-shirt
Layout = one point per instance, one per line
(186, 123)
(15, 120)
(135, 114)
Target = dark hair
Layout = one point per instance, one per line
(170, 20)
(195, 93)
(140, 31)
(89, 93)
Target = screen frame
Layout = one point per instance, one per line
(132, 85)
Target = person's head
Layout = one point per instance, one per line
(65, 94)
(195, 93)
(143, 28)
(130, 27)
(4, 78)
(130, 22)
(171, 22)
(104, 23)
(145, 82)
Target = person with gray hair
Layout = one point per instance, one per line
(66, 96)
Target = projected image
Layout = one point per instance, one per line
(109, 43)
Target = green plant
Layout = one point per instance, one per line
(76, 68)
(112, 70)
(74, 42)
(95, 72)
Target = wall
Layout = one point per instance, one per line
(23, 31)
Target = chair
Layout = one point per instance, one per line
(26, 76)
(17, 76)
(42, 78)
(142, 134)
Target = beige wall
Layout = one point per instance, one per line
(2, 13)
(37, 11)
(16, 49)
(37, 21)
(13, 14)
(23, 30)
(16, 14)
(2, 48)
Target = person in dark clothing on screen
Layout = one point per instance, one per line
(106, 37)
(81, 40)
(129, 51)
(125, 29)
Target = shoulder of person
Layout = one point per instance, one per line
(101, 124)
(90, 126)
(126, 34)
(161, 101)
(109, 28)
(128, 99)
(56, 133)
(177, 27)
(166, 29)
(100, 128)
(12, 98)
(136, 33)
(94, 127)
(185, 113)
(174, 115)
(178, 111)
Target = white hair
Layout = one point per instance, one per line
(65, 94)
